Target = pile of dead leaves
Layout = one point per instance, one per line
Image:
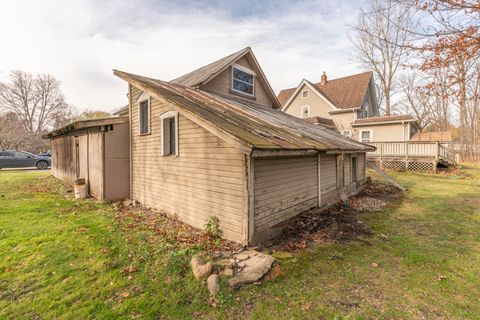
(338, 223)
(169, 230)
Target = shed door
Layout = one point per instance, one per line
(284, 187)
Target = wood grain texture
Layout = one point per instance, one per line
(284, 187)
(206, 179)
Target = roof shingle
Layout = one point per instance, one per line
(345, 93)
(256, 126)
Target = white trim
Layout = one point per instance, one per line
(301, 111)
(383, 122)
(246, 70)
(365, 130)
(163, 116)
(144, 97)
(312, 88)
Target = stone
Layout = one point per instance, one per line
(257, 264)
(127, 202)
(213, 284)
(227, 272)
(200, 269)
(374, 265)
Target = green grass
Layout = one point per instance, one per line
(60, 258)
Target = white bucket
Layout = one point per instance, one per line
(80, 191)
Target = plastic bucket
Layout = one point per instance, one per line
(80, 189)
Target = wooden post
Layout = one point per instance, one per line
(381, 156)
(407, 146)
(319, 181)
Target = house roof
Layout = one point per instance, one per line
(121, 110)
(385, 119)
(344, 93)
(320, 120)
(203, 75)
(84, 124)
(245, 124)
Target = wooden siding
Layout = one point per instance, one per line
(63, 159)
(117, 163)
(221, 85)
(328, 178)
(207, 178)
(95, 164)
(283, 188)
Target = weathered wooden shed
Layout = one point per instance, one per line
(213, 143)
(97, 150)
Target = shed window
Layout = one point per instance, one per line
(242, 81)
(365, 136)
(170, 133)
(144, 116)
(354, 169)
(305, 111)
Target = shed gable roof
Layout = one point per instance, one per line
(247, 124)
(205, 74)
(345, 93)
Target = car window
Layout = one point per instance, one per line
(21, 155)
(5, 154)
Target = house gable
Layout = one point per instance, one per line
(217, 78)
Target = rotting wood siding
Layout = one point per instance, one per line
(221, 84)
(206, 179)
(284, 187)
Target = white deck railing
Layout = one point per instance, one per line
(413, 149)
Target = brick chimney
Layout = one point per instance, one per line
(323, 79)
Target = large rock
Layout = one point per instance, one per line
(200, 269)
(255, 266)
(213, 284)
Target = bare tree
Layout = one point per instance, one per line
(35, 100)
(380, 38)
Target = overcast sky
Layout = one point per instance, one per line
(81, 41)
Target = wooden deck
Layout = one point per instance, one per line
(411, 156)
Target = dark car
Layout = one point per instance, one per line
(19, 159)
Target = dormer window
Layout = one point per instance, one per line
(243, 80)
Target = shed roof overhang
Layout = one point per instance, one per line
(84, 124)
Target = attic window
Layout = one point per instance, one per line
(243, 80)
(305, 93)
(305, 111)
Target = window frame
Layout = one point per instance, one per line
(164, 116)
(360, 136)
(349, 133)
(143, 97)
(353, 177)
(232, 79)
(301, 111)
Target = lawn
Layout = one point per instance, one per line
(61, 258)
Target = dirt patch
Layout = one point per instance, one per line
(339, 223)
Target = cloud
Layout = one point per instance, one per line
(80, 41)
